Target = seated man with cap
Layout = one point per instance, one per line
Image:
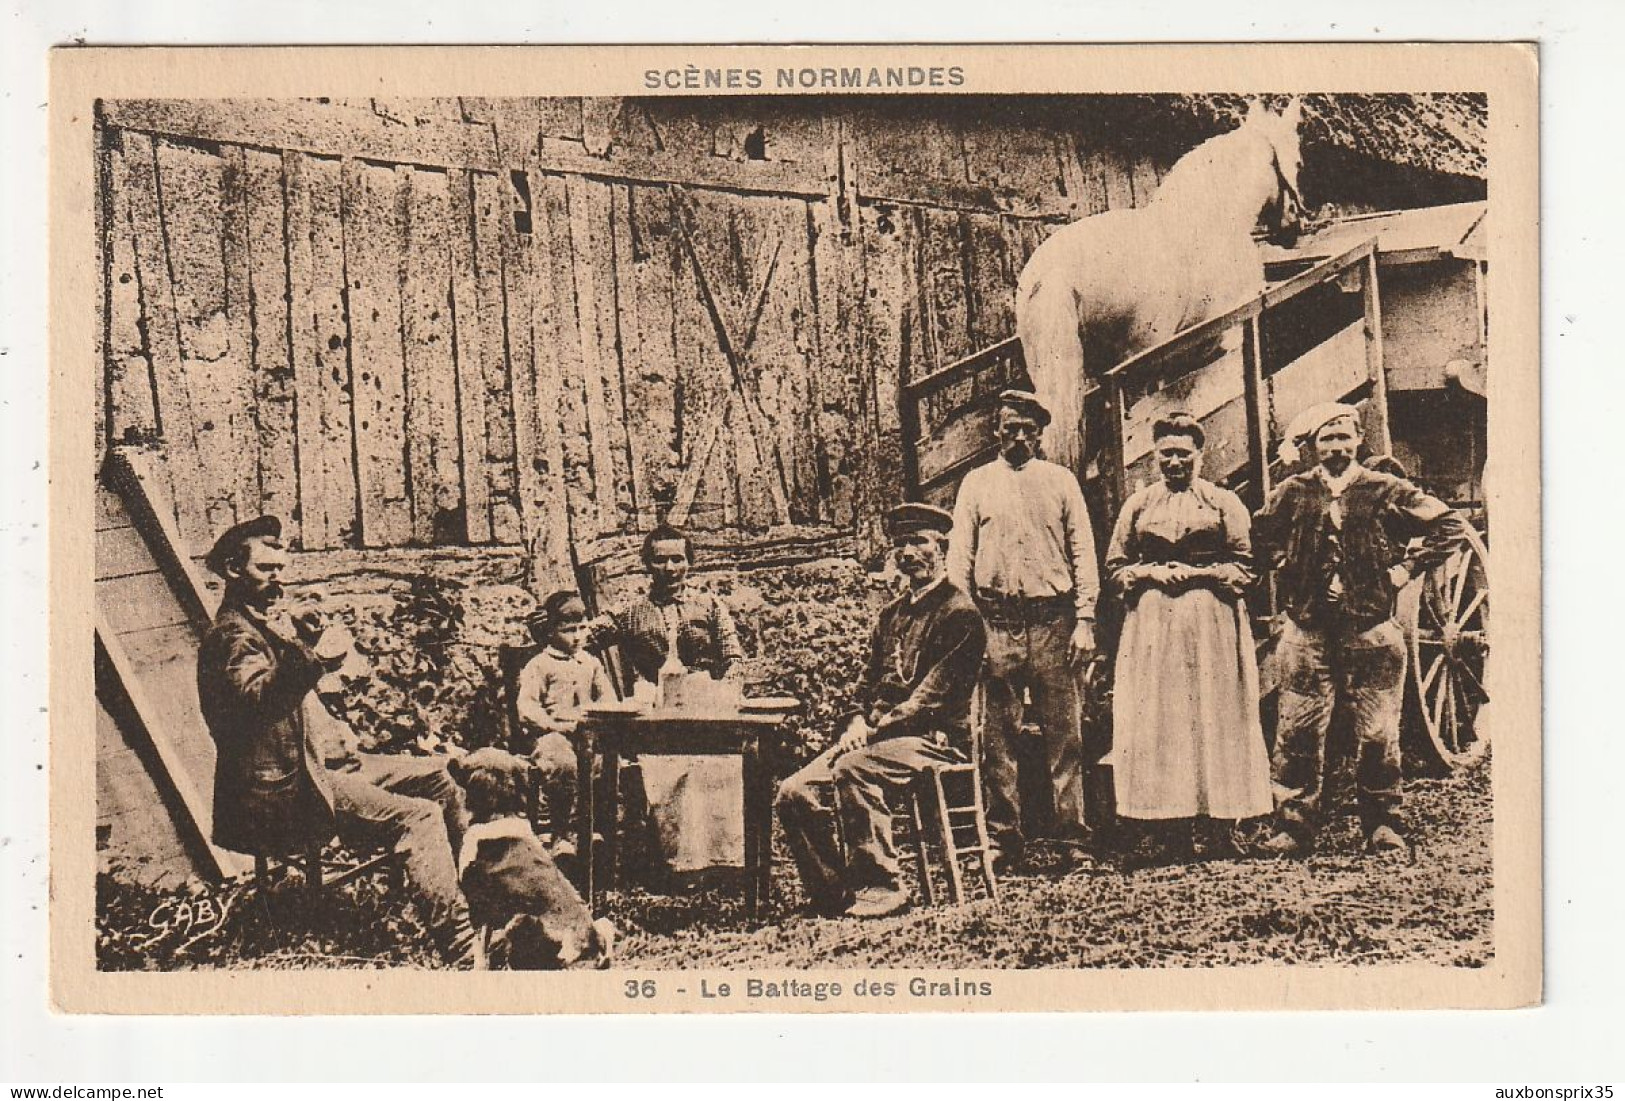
(924, 653)
(1023, 549)
(275, 792)
(1340, 538)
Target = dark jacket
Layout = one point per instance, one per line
(271, 794)
(1381, 514)
(924, 657)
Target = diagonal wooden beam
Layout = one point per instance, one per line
(755, 419)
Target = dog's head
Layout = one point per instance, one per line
(496, 784)
(532, 943)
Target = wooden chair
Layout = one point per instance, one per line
(390, 863)
(950, 797)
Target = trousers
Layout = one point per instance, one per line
(1031, 660)
(411, 804)
(1364, 670)
(832, 798)
(556, 772)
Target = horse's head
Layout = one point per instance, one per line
(1283, 211)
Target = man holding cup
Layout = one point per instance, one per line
(274, 792)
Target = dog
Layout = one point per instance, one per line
(527, 915)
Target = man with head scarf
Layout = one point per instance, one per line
(1024, 550)
(1344, 540)
(288, 773)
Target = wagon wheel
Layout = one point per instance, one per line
(1445, 614)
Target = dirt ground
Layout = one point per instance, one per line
(1340, 906)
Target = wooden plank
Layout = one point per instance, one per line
(239, 316)
(136, 817)
(170, 720)
(517, 282)
(890, 324)
(990, 281)
(335, 481)
(551, 549)
(952, 442)
(152, 649)
(559, 117)
(172, 386)
(718, 234)
(1329, 371)
(272, 366)
(1258, 414)
(733, 278)
(203, 227)
(468, 348)
(670, 166)
(588, 204)
(314, 527)
(945, 306)
(787, 340)
(374, 253)
(132, 414)
(306, 126)
(1117, 176)
(575, 439)
(134, 478)
(121, 552)
(645, 281)
(702, 411)
(1198, 392)
(836, 293)
(638, 502)
(607, 210)
(431, 369)
(491, 205)
(139, 601)
(110, 513)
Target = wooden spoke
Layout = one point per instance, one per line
(1433, 671)
(1478, 601)
(1445, 615)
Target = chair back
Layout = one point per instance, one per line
(511, 661)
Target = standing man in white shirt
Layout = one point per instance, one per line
(1023, 548)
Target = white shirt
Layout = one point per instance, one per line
(1024, 532)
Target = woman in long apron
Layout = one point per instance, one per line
(1187, 744)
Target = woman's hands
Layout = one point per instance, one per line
(1176, 577)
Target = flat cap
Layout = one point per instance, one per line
(232, 539)
(906, 519)
(1026, 403)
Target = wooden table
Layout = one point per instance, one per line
(611, 732)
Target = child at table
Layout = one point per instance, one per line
(555, 687)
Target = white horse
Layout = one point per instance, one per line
(1108, 286)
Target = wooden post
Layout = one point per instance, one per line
(1258, 455)
(1381, 441)
(1117, 476)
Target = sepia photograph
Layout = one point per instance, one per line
(795, 534)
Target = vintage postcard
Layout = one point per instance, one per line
(795, 529)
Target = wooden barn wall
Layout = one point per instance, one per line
(547, 322)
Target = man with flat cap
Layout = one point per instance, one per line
(287, 772)
(1024, 550)
(1344, 539)
(914, 711)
